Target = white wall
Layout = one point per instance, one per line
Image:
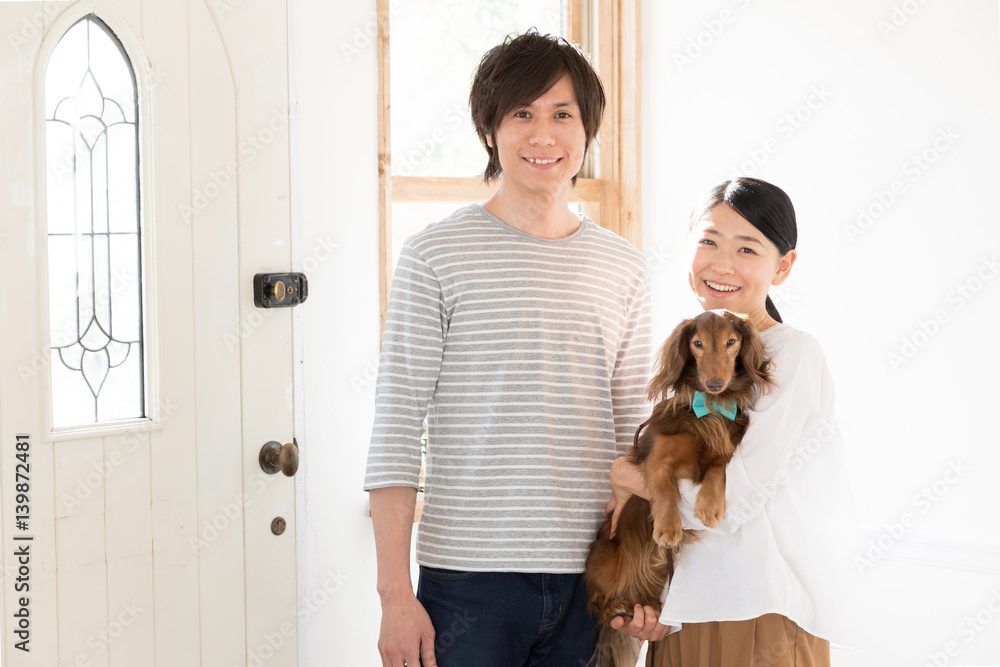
(335, 226)
(878, 98)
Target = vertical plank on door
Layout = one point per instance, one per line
(173, 452)
(82, 614)
(130, 607)
(129, 539)
(79, 481)
(221, 493)
(83, 599)
(256, 36)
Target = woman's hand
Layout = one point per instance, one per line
(645, 624)
(627, 480)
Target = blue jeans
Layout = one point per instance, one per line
(507, 619)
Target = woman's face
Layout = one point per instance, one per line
(731, 264)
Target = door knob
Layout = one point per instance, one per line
(274, 457)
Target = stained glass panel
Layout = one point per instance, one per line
(94, 230)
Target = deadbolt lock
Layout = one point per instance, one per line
(279, 290)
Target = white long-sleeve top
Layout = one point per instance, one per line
(784, 544)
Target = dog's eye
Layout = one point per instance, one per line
(697, 343)
(730, 342)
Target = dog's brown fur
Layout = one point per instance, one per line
(718, 353)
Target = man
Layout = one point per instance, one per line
(521, 332)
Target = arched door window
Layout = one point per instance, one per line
(94, 229)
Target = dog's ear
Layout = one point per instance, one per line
(752, 356)
(671, 360)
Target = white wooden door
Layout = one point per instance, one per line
(151, 539)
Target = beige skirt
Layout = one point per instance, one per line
(769, 641)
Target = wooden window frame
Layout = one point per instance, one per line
(613, 200)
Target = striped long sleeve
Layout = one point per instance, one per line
(409, 365)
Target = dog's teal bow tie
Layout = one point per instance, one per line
(700, 409)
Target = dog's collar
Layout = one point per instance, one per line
(727, 409)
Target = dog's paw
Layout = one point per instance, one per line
(668, 532)
(709, 510)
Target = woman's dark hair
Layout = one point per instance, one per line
(763, 205)
(519, 71)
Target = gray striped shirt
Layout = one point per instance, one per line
(529, 358)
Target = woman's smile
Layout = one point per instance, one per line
(722, 288)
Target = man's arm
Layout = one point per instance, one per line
(406, 635)
(409, 366)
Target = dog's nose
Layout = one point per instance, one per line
(714, 385)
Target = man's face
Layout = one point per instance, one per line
(541, 146)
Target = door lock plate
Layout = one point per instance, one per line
(279, 290)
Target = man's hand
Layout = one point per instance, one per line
(406, 636)
(644, 625)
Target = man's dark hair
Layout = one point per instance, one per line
(519, 71)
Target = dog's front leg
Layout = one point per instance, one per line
(672, 456)
(710, 505)
(667, 527)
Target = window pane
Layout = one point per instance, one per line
(434, 50)
(94, 240)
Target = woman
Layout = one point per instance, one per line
(772, 583)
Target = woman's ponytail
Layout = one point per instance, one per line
(771, 310)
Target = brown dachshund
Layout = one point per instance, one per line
(713, 368)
